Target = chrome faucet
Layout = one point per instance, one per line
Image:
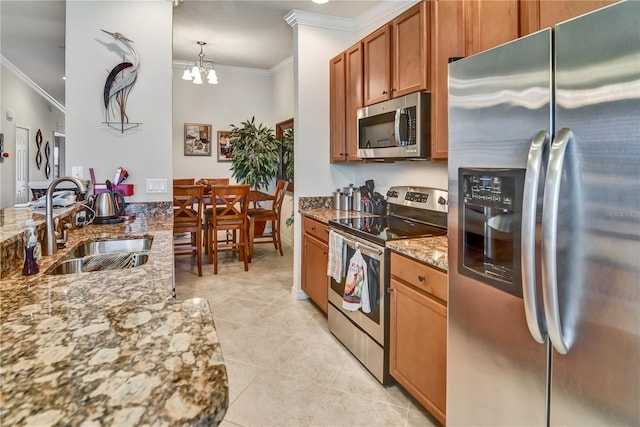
(50, 245)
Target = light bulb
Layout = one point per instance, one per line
(195, 71)
(197, 79)
(186, 75)
(212, 77)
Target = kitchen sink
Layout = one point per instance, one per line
(105, 254)
(96, 247)
(101, 262)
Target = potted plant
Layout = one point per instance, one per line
(254, 154)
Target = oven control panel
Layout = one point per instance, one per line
(419, 197)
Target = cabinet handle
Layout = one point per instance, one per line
(421, 278)
(313, 227)
(384, 92)
(390, 290)
(393, 89)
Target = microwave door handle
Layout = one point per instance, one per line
(528, 236)
(396, 126)
(549, 240)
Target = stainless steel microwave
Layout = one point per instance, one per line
(396, 129)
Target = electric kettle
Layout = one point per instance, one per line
(108, 206)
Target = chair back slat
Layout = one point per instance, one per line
(281, 190)
(187, 204)
(184, 181)
(232, 202)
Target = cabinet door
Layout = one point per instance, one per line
(314, 270)
(354, 99)
(418, 353)
(377, 66)
(410, 51)
(337, 105)
(448, 42)
(538, 14)
(489, 23)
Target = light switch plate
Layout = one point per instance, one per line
(156, 185)
(77, 172)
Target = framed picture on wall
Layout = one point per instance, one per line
(224, 155)
(197, 139)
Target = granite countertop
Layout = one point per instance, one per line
(429, 250)
(109, 347)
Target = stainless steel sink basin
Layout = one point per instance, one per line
(101, 262)
(96, 247)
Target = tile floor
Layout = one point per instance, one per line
(285, 368)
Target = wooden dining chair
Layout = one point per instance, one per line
(229, 214)
(269, 215)
(187, 218)
(213, 181)
(184, 181)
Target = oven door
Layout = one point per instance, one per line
(372, 323)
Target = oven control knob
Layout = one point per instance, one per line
(392, 193)
(442, 201)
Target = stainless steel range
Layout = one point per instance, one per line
(411, 212)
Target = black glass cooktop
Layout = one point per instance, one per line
(380, 229)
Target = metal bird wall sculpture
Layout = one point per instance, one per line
(119, 83)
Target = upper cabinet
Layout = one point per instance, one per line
(447, 41)
(337, 101)
(489, 23)
(377, 66)
(538, 14)
(396, 57)
(345, 98)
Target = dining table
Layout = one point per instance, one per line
(255, 197)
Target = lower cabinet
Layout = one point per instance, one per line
(418, 332)
(315, 250)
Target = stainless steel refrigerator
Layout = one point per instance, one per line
(544, 227)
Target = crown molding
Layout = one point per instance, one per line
(282, 64)
(380, 13)
(383, 12)
(22, 76)
(301, 17)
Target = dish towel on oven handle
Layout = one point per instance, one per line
(356, 285)
(335, 264)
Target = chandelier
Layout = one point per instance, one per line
(200, 69)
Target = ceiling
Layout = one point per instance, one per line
(238, 33)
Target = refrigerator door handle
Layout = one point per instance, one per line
(396, 126)
(549, 239)
(537, 326)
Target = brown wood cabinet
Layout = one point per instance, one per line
(396, 56)
(489, 23)
(337, 102)
(377, 66)
(447, 38)
(410, 51)
(346, 98)
(315, 250)
(418, 332)
(538, 14)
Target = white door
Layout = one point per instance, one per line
(22, 164)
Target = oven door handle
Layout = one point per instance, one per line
(362, 246)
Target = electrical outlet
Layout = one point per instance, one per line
(81, 218)
(77, 172)
(156, 185)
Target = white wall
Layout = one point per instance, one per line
(240, 94)
(145, 151)
(31, 110)
(282, 90)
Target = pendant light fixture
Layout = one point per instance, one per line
(201, 69)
